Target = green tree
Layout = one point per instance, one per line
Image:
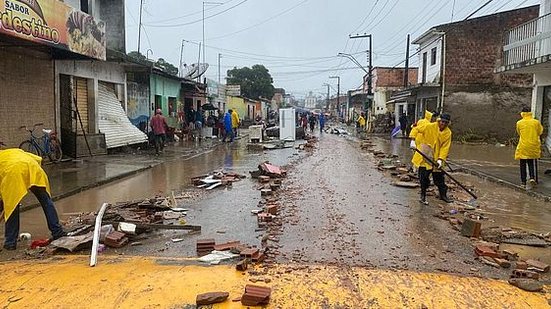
(255, 82)
(167, 67)
(137, 56)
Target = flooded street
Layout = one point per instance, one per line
(337, 209)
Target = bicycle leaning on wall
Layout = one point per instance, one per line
(44, 146)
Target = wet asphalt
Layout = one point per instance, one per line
(337, 208)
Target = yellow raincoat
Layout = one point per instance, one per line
(435, 143)
(234, 119)
(361, 122)
(417, 159)
(19, 171)
(529, 130)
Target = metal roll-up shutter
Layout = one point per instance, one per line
(82, 103)
(114, 123)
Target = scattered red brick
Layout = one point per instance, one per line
(249, 253)
(519, 273)
(242, 265)
(116, 239)
(471, 228)
(211, 298)
(256, 295)
(205, 246)
(537, 266)
(227, 246)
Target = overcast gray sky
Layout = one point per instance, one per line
(297, 40)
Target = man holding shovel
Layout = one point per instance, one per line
(435, 143)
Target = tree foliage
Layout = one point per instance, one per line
(255, 82)
(167, 67)
(162, 64)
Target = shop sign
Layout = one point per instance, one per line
(53, 23)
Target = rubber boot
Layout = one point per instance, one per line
(423, 199)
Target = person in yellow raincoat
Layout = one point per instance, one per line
(417, 139)
(21, 172)
(436, 142)
(529, 145)
(235, 122)
(361, 123)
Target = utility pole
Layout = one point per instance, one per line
(406, 72)
(182, 59)
(140, 26)
(328, 94)
(338, 93)
(370, 60)
(219, 57)
(204, 46)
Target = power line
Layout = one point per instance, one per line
(260, 23)
(366, 17)
(199, 20)
(384, 17)
(189, 14)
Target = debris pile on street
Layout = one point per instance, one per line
(123, 223)
(216, 179)
(269, 177)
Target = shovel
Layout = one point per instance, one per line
(472, 202)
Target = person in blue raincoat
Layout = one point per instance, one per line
(228, 128)
(322, 122)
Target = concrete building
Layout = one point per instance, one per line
(27, 62)
(456, 75)
(386, 81)
(310, 101)
(527, 50)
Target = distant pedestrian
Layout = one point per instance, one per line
(228, 126)
(158, 125)
(360, 124)
(199, 121)
(529, 145)
(235, 122)
(322, 122)
(304, 122)
(312, 121)
(403, 124)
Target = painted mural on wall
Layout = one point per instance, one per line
(137, 106)
(53, 23)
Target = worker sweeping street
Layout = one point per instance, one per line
(529, 146)
(435, 143)
(417, 139)
(21, 172)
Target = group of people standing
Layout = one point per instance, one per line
(431, 137)
(231, 123)
(311, 120)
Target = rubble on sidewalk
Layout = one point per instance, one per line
(529, 285)
(216, 179)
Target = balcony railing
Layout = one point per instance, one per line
(528, 41)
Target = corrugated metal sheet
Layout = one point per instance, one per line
(113, 121)
(82, 103)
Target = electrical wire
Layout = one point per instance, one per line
(366, 17)
(189, 14)
(260, 23)
(198, 20)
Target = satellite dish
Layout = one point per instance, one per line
(187, 71)
(200, 71)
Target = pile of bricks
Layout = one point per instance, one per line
(205, 246)
(256, 295)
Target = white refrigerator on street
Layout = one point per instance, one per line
(287, 124)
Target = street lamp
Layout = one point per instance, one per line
(204, 46)
(338, 93)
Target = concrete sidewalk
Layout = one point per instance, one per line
(496, 163)
(69, 178)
